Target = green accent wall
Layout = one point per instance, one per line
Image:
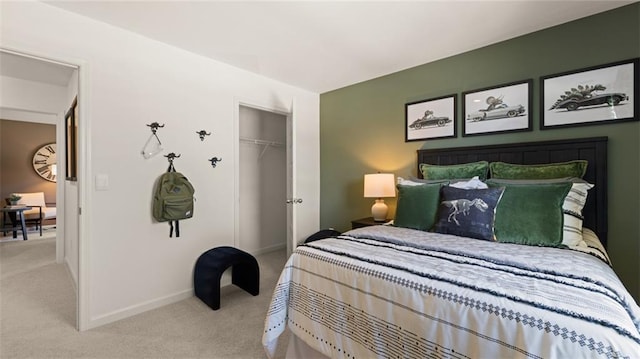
(362, 126)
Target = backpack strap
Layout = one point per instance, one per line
(171, 229)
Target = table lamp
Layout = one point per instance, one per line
(377, 186)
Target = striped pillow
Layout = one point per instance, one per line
(572, 209)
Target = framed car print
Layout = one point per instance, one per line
(430, 119)
(498, 109)
(594, 95)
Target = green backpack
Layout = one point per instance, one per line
(173, 199)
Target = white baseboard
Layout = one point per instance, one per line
(170, 299)
(120, 314)
(73, 275)
(269, 249)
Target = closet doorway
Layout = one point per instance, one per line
(264, 181)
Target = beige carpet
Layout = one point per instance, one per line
(48, 231)
(38, 315)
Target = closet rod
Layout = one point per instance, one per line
(260, 142)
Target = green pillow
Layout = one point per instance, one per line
(531, 214)
(460, 171)
(572, 207)
(417, 206)
(575, 168)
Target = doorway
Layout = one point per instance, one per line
(41, 90)
(263, 180)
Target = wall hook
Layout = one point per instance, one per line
(203, 133)
(214, 161)
(171, 156)
(154, 127)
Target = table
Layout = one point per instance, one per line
(367, 221)
(14, 212)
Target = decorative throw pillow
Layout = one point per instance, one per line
(531, 214)
(417, 206)
(468, 212)
(575, 168)
(460, 171)
(571, 207)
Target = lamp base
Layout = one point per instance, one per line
(379, 210)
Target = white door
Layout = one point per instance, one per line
(292, 202)
(303, 173)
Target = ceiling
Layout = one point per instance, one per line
(34, 69)
(322, 46)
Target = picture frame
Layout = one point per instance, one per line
(497, 109)
(71, 142)
(590, 96)
(431, 119)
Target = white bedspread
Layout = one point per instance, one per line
(384, 291)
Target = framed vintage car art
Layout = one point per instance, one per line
(430, 119)
(594, 95)
(504, 108)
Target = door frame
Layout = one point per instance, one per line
(82, 289)
(290, 136)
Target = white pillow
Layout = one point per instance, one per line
(405, 182)
(473, 183)
(591, 244)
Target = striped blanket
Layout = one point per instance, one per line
(387, 292)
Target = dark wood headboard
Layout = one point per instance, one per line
(594, 150)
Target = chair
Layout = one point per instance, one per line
(39, 211)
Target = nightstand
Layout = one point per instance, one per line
(366, 222)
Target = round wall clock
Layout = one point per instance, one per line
(44, 162)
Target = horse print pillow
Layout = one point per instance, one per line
(468, 212)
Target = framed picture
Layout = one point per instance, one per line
(503, 108)
(432, 118)
(589, 96)
(71, 141)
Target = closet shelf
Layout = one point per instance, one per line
(261, 142)
(264, 143)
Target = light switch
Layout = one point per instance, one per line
(102, 182)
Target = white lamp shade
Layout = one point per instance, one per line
(379, 185)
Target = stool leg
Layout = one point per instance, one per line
(207, 288)
(246, 275)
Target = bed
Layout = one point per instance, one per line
(397, 291)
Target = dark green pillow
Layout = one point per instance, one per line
(460, 171)
(504, 170)
(417, 206)
(531, 214)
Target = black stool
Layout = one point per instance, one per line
(245, 273)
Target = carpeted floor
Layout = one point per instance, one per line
(38, 315)
(48, 231)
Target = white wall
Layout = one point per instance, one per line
(263, 182)
(30, 101)
(37, 97)
(129, 262)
